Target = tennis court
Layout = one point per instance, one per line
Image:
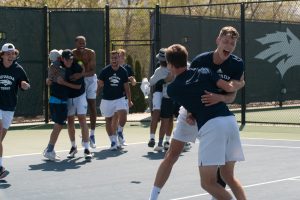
(271, 169)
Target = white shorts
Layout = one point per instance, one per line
(156, 100)
(77, 105)
(6, 117)
(219, 142)
(91, 86)
(109, 107)
(183, 131)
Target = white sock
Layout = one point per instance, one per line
(152, 136)
(86, 145)
(168, 138)
(120, 128)
(73, 143)
(92, 132)
(154, 193)
(0, 161)
(111, 137)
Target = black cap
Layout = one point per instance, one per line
(67, 54)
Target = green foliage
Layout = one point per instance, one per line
(137, 96)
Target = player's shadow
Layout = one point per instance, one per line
(59, 166)
(4, 184)
(155, 155)
(107, 153)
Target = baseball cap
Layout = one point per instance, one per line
(8, 47)
(54, 54)
(161, 56)
(67, 54)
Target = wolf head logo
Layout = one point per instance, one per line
(283, 47)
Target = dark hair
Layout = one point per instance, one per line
(177, 55)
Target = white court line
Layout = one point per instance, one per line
(246, 186)
(102, 147)
(266, 139)
(40, 153)
(270, 146)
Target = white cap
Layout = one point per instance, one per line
(54, 54)
(8, 47)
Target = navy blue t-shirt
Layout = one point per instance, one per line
(75, 68)
(187, 89)
(128, 69)
(230, 69)
(113, 82)
(10, 81)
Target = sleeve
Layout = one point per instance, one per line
(129, 71)
(101, 76)
(238, 70)
(125, 75)
(195, 62)
(23, 75)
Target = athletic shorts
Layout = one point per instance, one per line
(77, 105)
(166, 110)
(219, 142)
(91, 86)
(183, 131)
(109, 107)
(6, 117)
(156, 100)
(59, 113)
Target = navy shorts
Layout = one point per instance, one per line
(59, 113)
(166, 110)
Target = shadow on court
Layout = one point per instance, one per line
(106, 153)
(59, 166)
(4, 184)
(155, 155)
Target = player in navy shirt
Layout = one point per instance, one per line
(115, 121)
(113, 79)
(12, 77)
(220, 143)
(184, 131)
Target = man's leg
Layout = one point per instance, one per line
(93, 118)
(164, 127)
(209, 183)
(227, 172)
(155, 116)
(165, 168)
(49, 151)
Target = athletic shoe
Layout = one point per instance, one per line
(166, 145)
(72, 152)
(51, 155)
(121, 141)
(113, 146)
(158, 148)
(3, 172)
(92, 141)
(187, 146)
(151, 142)
(87, 154)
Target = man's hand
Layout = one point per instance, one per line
(76, 76)
(60, 80)
(190, 119)
(25, 85)
(48, 81)
(130, 103)
(210, 98)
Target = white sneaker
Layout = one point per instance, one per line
(51, 155)
(113, 146)
(187, 146)
(166, 145)
(158, 148)
(122, 141)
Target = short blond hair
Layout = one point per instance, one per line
(229, 30)
(122, 51)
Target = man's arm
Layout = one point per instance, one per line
(61, 81)
(132, 80)
(91, 65)
(128, 94)
(210, 98)
(100, 86)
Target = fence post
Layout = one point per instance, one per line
(157, 29)
(107, 34)
(243, 55)
(45, 63)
